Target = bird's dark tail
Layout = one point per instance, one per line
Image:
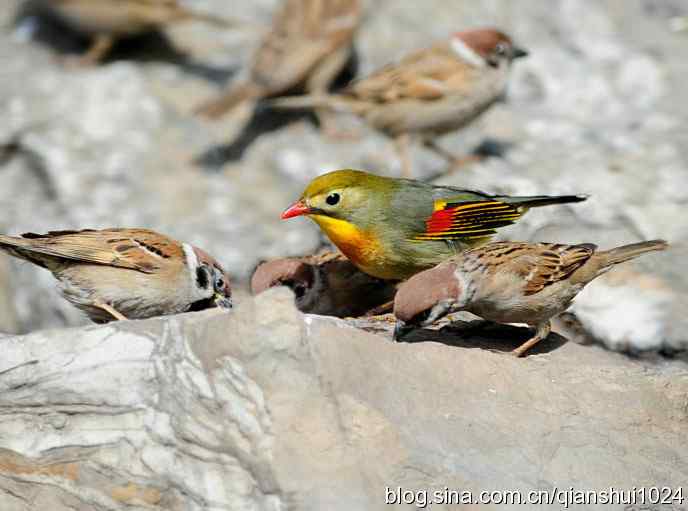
(542, 200)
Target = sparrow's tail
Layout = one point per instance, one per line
(627, 252)
(331, 102)
(10, 242)
(227, 101)
(542, 200)
(20, 248)
(184, 14)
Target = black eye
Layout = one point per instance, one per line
(501, 49)
(202, 277)
(219, 283)
(332, 199)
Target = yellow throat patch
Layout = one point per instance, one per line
(360, 246)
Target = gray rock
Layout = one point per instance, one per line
(264, 408)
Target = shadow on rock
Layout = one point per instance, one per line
(484, 335)
(265, 120)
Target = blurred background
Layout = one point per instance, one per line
(598, 107)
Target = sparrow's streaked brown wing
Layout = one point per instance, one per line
(137, 249)
(428, 74)
(540, 264)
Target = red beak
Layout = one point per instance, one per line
(296, 209)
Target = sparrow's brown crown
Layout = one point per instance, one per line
(490, 44)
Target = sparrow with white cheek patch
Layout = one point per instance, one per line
(326, 284)
(309, 43)
(108, 20)
(125, 273)
(430, 92)
(509, 283)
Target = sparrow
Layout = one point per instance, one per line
(109, 20)
(392, 228)
(509, 282)
(430, 92)
(327, 284)
(125, 273)
(309, 43)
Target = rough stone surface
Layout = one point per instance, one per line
(598, 107)
(265, 408)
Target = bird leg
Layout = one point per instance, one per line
(110, 310)
(318, 83)
(402, 143)
(99, 48)
(384, 308)
(541, 332)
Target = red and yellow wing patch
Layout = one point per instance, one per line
(468, 220)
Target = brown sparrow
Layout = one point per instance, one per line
(509, 282)
(125, 273)
(108, 20)
(309, 43)
(430, 92)
(327, 284)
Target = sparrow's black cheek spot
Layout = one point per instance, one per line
(201, 305)
(299, 288)
(202, 279)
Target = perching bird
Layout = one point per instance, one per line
(309, 43)
(430, 92)
(125, 273)
(327, 284)
(392, 228)
(509, 282)
(108, 20)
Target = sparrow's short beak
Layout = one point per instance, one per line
(297, 209)
(400, 330)
(517, 53)
(222, 301)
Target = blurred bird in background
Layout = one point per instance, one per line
(428, 93)
(308, 45)
(108, 20)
